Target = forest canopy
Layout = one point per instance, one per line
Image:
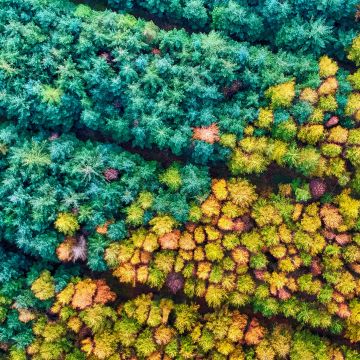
(179, 180)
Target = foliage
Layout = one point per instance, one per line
(161, 329)
(320, 143)
(244, 242)
(167, 90)
(118, 141)
(70, 195)
(316, 27)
